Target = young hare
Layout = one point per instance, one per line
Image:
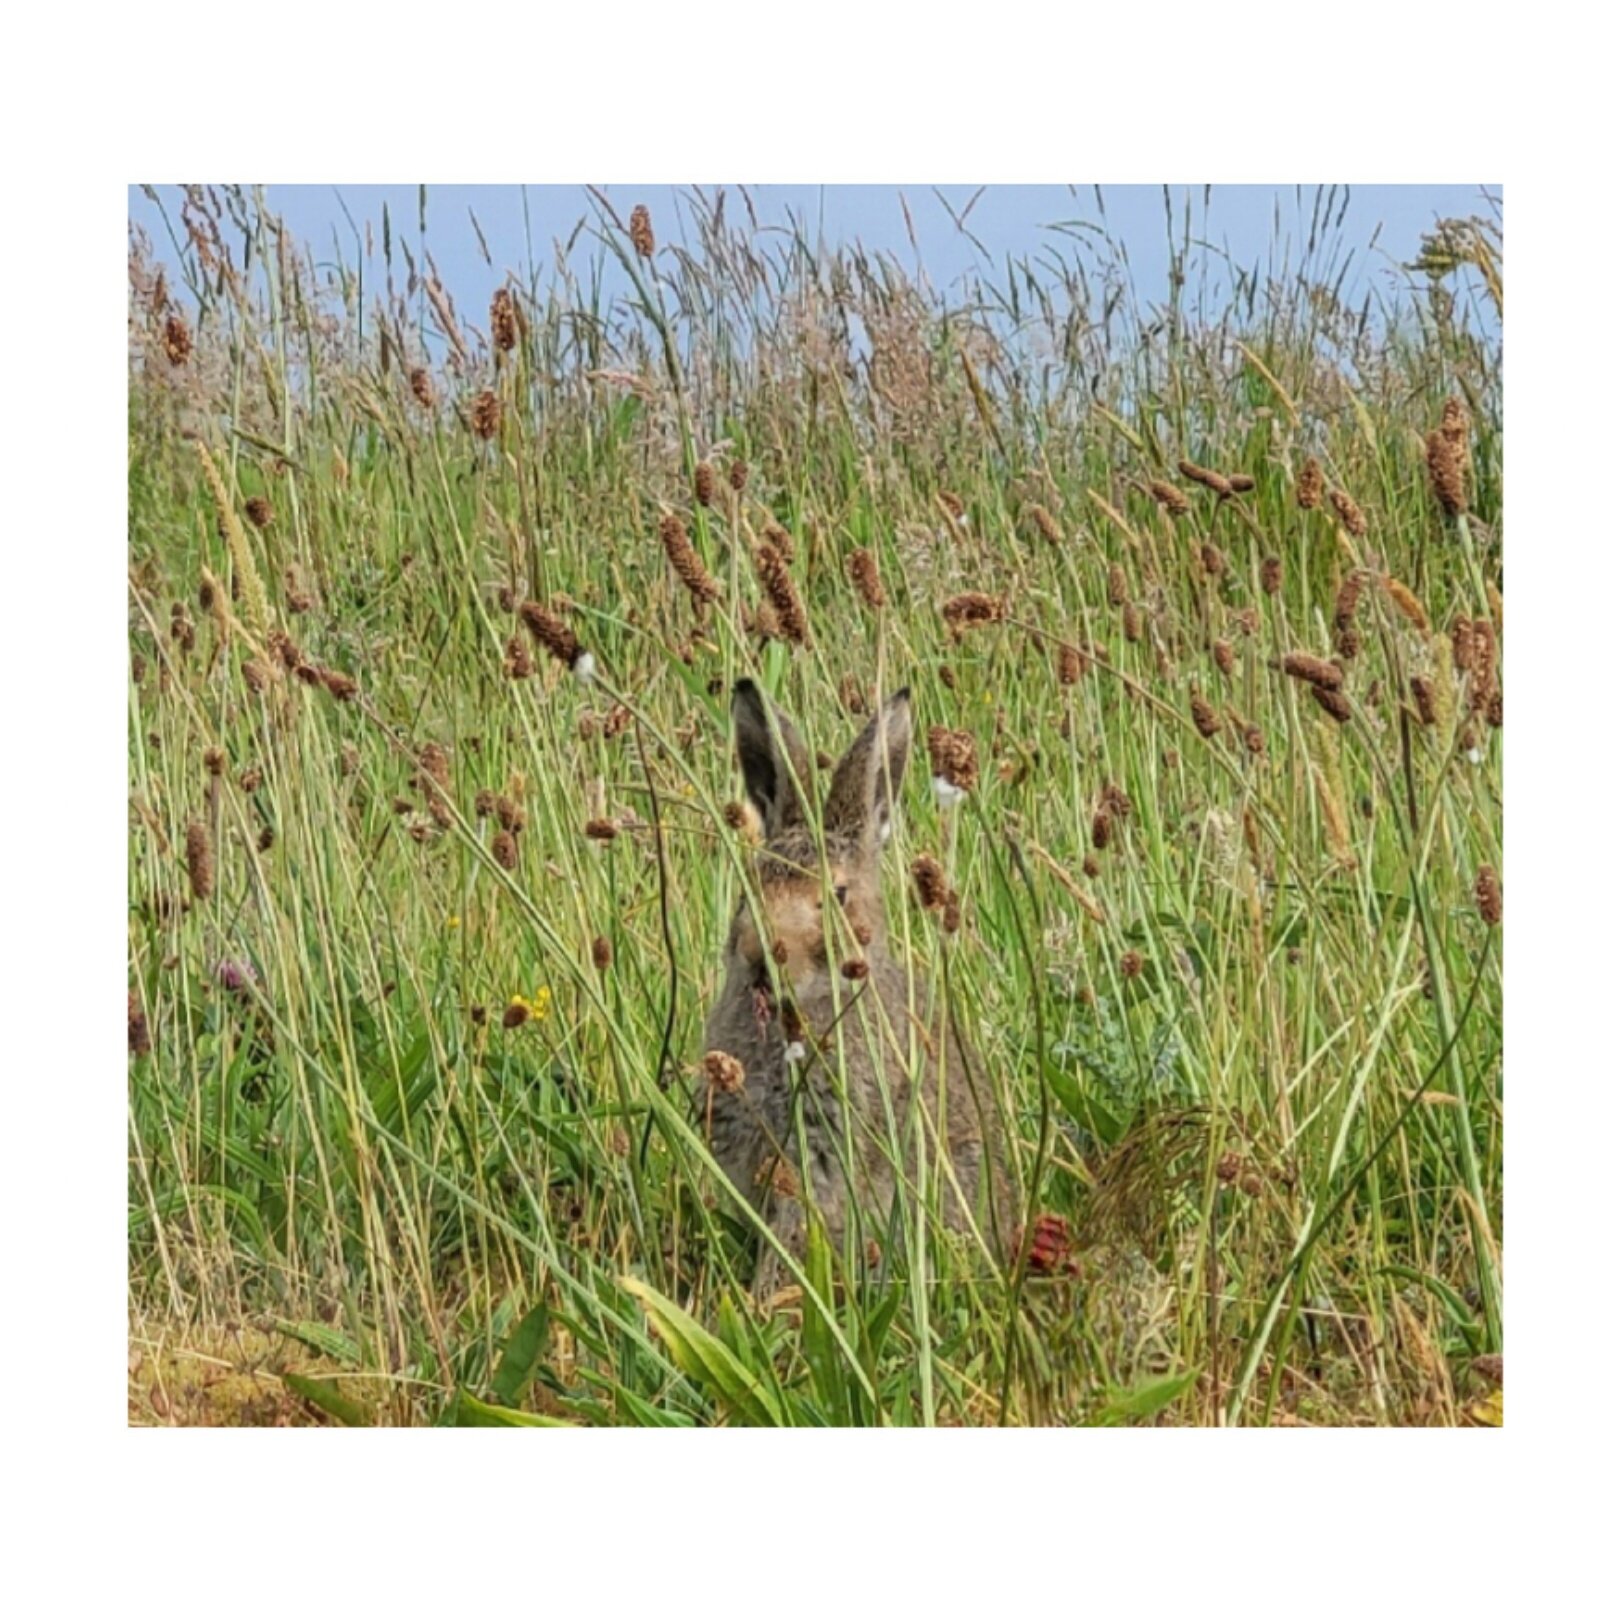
(846, 1096)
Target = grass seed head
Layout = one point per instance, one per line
(641, 231)
(683, 558)
(199, 860)
(1309, 486)
(1350, 515)
(863, 573)
(781, 594)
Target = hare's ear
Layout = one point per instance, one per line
(860, 802)
(775, 762)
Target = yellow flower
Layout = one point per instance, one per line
(452, 922)
(540, 1007)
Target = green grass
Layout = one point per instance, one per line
(1253, 1058)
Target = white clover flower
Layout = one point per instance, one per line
(947, 794)
(585, 668)
(793, 1052)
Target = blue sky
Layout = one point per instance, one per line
(1252, 224)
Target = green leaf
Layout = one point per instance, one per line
(1144, 1400)
(706, 1361)
(323, 1393)
(328, 1341)
(521, 1355)
(472, 1413)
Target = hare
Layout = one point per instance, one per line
(842, 1085)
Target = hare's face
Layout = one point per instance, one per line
(816, 907)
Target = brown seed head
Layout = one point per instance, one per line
(1221, 652)
(1350, 515)
(863, 573)
(703, 483)
(780, 592)
(1229, 1168)
(140, 1038)
(854, 970)
(1271, 575)
(737, 475)
(1204, 716)
(1407, 604)
(1447, 472)
(929, 876)
(1308, 488)
(1254, 739)
(1241, 483)
(515, 1016)
(176, 340)
(259, 511)
(1050, 530)
(1213, 559)
(1102, 829)
(1318, 671)
(551, 633)
(485, 414)
(1071, 664)
(1423, 697)
(1348, 599)
(1131, 965)
(970, 609)
(214, 761)
(518, 664)
(723, 1072)
(1205, 476)
(954, 757)
(950, 918)
(1454, 421)
(1488, 895)
(683, 558)
(503, 320)
(1170, 498)
(199, 860)
(641, 231)
(1119, 587)
(1332, 702)
(504, 848)
(342, 687)
(422, 385)
(601, 953)
(601, 829)
(1131, 620)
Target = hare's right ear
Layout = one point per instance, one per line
(775, 762)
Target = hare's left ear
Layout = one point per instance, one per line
(860, 802)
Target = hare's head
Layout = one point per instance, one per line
(816, 914)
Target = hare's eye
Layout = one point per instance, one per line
(841, 893)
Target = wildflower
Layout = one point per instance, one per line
(235, 974)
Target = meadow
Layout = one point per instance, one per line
(434, 835)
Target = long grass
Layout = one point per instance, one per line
(416, 1101)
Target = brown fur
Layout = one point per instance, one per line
(809, 951)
